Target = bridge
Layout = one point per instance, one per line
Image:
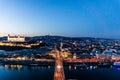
(59, 70)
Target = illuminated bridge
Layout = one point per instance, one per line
(59, 70)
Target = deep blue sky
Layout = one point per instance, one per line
(79, 18)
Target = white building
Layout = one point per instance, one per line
(15, 38)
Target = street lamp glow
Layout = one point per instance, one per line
(59, 66)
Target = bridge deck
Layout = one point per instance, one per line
(59, 70)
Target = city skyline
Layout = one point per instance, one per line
(73, 18)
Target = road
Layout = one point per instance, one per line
(59, 70)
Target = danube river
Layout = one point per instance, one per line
(19, 72)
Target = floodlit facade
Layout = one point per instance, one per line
(16, 38)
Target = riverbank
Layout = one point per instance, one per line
(52, 63)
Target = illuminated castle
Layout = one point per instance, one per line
(16, 38)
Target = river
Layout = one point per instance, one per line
(19, 72)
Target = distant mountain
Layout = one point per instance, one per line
(59, 37)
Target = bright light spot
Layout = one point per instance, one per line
(59, 66)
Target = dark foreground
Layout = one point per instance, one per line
(19, 72)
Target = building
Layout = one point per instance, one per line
(15, 38)
(74, 56)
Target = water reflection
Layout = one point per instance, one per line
(39, 67)
(95, 67)
(111, 66)
(1, 67)
(49, 67)
(16, 67)
(75, 67)
(20, 67)
(31, 72)
(116, 68)
(91, 67)
(20, 72)
(70, 67)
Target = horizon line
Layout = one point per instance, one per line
(55, 35)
